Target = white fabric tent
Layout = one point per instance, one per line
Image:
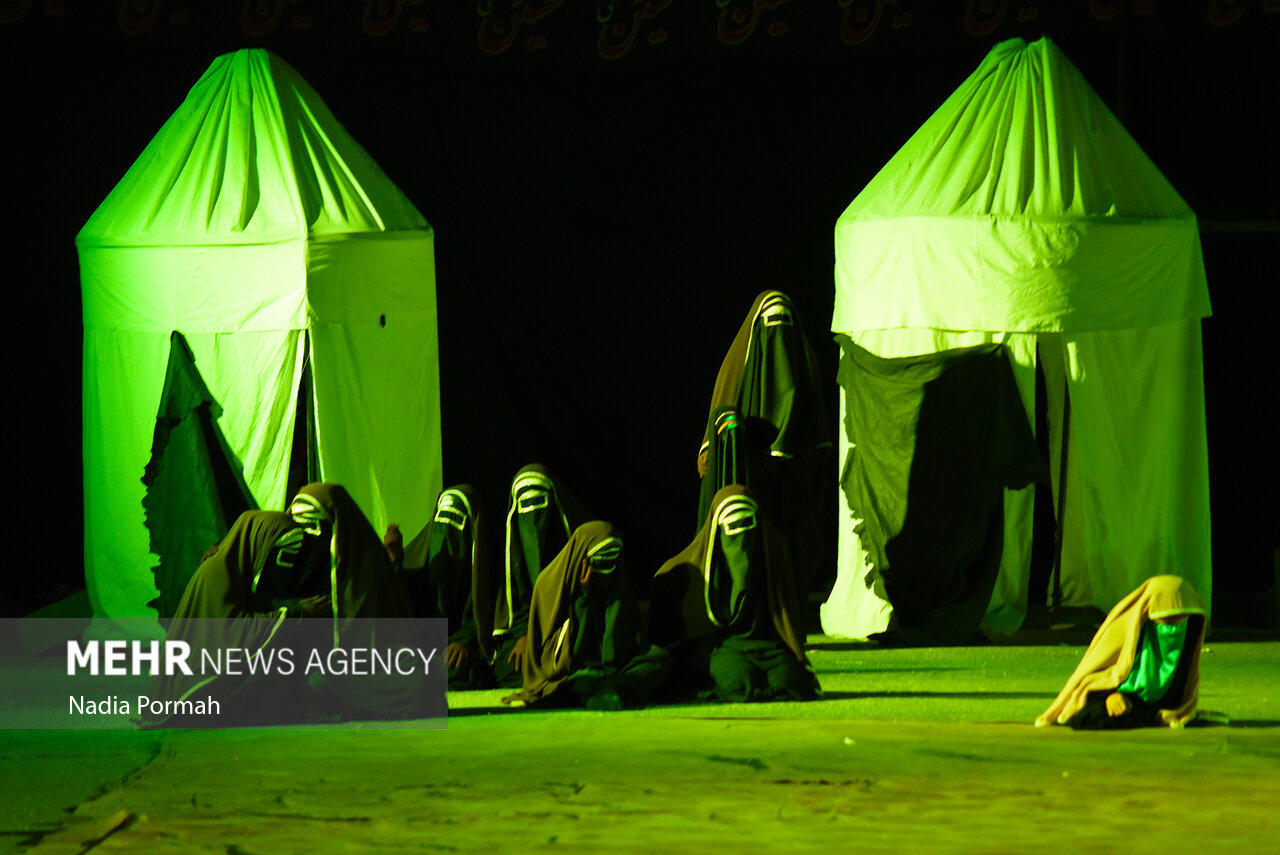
(258, 228)
(1022, 212)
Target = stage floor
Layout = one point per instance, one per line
(911, 750)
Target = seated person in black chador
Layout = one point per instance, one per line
(540, 519)
(267, 570)
(446, 575)
(364, 579)
(320, 559)
(727, 608)
(584, 643)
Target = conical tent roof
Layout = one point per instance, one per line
(253, 155)
(255, 165)
(1022, 204)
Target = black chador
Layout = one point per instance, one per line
(770, 376)
(585, 646)
(727, 608)
(447, 575)
(540, 518)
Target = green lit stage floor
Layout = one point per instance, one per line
(911, 750)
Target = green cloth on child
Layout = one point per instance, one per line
(1157, 661)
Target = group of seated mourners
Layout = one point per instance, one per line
(565, 627)
(556, 618)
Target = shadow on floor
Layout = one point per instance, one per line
(836, 696)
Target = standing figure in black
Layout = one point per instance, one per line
(541, 517)
(770, 377)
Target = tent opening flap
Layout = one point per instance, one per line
(304, 455)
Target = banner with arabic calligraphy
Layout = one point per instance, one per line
(636, 31)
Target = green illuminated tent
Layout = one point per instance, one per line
(255, 226)
(1022, 212)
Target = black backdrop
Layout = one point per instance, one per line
(610, 184)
